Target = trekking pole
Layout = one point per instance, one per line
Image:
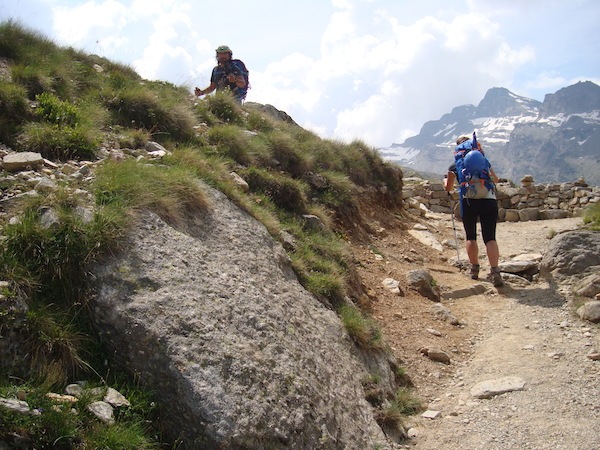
(455, 237)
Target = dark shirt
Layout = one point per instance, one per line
(219, 77)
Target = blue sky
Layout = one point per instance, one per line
(375, 70)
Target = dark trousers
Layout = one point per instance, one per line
(486, 210)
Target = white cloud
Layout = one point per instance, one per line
(287, 84)
(368, 69)
(73, 25)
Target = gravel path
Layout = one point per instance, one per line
(529, 333)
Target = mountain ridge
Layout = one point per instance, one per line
(555, 141)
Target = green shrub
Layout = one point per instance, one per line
(165, 115)
(54, 110)
(406, 402)
(225, 108)
(52, 259)
(283, 150)
(231, 142)
(55, 346)
(257, 121)
(24, 46)
(339, 190)
(592, 216)
(14, 110)
(33, 79)
(285, 192)
(60, 142)
(133, 138)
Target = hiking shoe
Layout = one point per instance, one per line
(474, 271)
(496, 277)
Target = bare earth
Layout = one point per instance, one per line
(528, 332)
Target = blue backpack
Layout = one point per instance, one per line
(472, 170)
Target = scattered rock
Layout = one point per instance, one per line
(115, 398)
(392, 285)
(427, 238)
(528, 257)
(588, 286)
(14, 162)
(74, 389)
(443, 313)
(102, 411)
(434, 332)
(61, 398)
(490, 388)
(431, 414)
(240, 182)
(313, 222)
(17, 406)
(590, 311)
(474, 289)
(525, 269)
(436, 354)
(421, 281)
(152, 146)
(516, 279)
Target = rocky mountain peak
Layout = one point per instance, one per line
(500, 101)
(555, 141)
(581, 97)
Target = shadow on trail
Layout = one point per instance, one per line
(546, 297)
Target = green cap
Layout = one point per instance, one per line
(223, 49)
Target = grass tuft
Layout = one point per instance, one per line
(592, 216)
(172, 193)
(364, 330)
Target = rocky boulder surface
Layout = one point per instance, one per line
(241, 355)
(571, 256)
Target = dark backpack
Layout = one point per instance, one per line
(245, 73)
(472, 170)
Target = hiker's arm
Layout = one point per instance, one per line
(495, 178)
(240, 81)
(237, 78)
(449, 181)
(208, 90)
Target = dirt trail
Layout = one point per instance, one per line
(518, 331)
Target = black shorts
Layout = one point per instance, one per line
(484, 209)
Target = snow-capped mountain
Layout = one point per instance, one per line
(557, 140)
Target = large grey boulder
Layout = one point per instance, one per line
(239, 354)
(572, 255)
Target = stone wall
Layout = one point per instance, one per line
(529, 201)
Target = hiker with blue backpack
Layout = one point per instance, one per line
(477, 192)
(229, 74)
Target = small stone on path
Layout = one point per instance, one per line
(490, 388)
(431, 414)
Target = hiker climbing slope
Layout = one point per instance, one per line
(229, 74)
(477, 190)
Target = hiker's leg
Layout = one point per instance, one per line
(488, 219)
(473, 252)
(469, 219)
(493, 253)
